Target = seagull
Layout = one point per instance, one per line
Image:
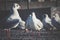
(56, 21)
(33, 22)
(47, 22)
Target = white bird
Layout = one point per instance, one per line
(57, 18)
(14, 12)
(56, 21)
(47, 22)
(12, 21)
(34, 23)
(15, 15)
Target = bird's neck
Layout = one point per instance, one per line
(14, 11)
(17, 14)
(48, 20)
(46, 15)
(34, 17)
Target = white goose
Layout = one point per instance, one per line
(34, 23)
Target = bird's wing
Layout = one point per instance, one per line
(40, 24)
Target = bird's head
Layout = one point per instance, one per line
(33, 14)
(45, 15)
(16, 6)
(55, 15)
(29, 15)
